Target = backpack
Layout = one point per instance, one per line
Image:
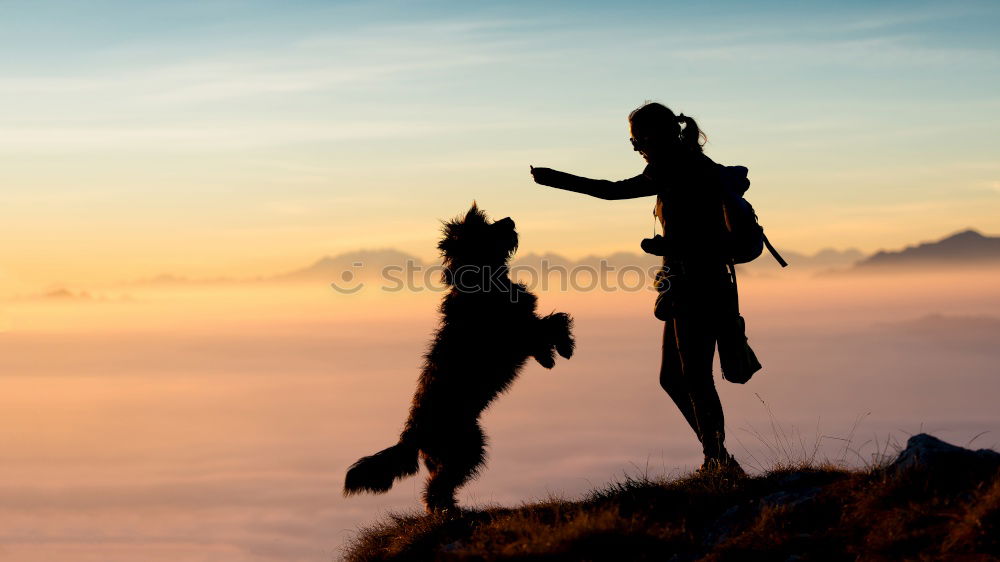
(744, 239)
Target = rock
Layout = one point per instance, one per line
(790, 498)
(926, 451)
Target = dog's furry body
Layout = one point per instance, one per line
(488, 331)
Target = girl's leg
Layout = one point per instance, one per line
(672, 377)
(695, 336)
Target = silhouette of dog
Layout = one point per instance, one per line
(488, 331)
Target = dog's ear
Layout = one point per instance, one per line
(475, 214)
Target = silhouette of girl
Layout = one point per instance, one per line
(700, 290)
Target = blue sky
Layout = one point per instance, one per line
(228, 137)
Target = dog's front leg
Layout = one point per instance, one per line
(550, 334)
(538, 343)
(560, 330)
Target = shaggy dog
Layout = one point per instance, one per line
(488, 331)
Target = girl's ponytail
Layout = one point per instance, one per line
(691, 137)
(656, 120)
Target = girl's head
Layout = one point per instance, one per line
(657, 133)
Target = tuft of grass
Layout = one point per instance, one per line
(810, 512)
(787, 448)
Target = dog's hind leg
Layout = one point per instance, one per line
(457, 461)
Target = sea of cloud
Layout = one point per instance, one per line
(215, 422)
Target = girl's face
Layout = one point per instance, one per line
(650, 146)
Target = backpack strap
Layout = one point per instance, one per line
(731, 266)
(774, 252)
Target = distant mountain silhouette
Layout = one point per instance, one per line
(168, 280)
(616, 260)
(359, 263)
(827, 258)
(368, 264)
(62, 294)
(968, 247)
(619, 260)
(325, 269)
(536, 261)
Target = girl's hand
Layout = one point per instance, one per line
(542, 175)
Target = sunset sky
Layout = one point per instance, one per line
(244, 138)
(216, 138)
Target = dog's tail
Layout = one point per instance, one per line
(376, 473)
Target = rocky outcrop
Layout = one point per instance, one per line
(925, 452)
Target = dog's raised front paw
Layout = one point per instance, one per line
(565, 347)
(546, 359)
(564, 335)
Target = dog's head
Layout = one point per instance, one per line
(472, 241)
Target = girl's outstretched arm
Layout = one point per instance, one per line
(639, 186)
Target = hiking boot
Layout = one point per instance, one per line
(721, 466)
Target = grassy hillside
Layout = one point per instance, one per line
(943, 508)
